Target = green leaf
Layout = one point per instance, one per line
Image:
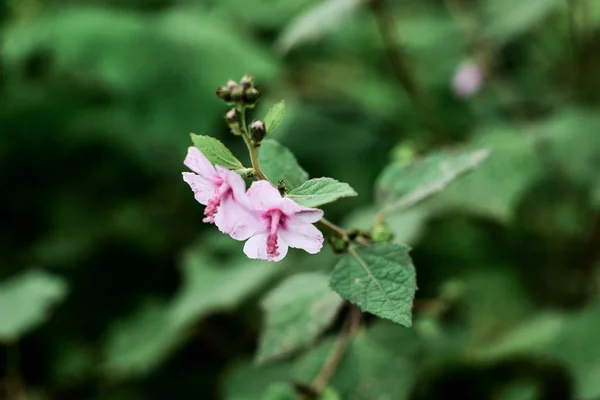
(140, 342)
(364, 371)
(209, 285)
(316, 22)
(274, 116)
(496, 186)
(319, 191)
(506, 19)
(401, 186)
(216, 152)
(297, 311)
(279, 391)
(247, 381)
(329, 394)
(25, 301)
(379, 279)
(278, 163)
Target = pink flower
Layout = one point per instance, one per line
(279, 223)
(467, 79)
(221, 191)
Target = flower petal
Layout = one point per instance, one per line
(301, 213)
(203, 189)
(234, 219)
(256, 247)
(301, 235)
(233, 180)
(196, 161)
(263, 195)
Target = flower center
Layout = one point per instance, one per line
(272, 246)
(213, 205)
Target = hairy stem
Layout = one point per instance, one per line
(385, 24)
(334, 228)
(350, 326)
(251, 148)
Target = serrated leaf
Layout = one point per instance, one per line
(380, 279)
(274, 116)
(319, 191)
(25, 301)
(278, 163)
(316, 22)
(494, 188)
(216, 152)
(297, 311)
(401, 186)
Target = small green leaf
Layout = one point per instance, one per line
(380, 279)
(279, 391)
(25, 301)
(278, 163)
(403, 185)
(319, 191)
(216, 152)
(316, 22)
(274, 116)
(297, 311)
(329, 394)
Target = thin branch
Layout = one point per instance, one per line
(350, 326)
(397, 59)
(251, 148)
(339, 231)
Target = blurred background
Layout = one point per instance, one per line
(101, 241)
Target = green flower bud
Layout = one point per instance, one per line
(381, 232)
(224, 94)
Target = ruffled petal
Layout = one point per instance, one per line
(233, 180)
(301, 235)
(203, 189)
(263, 195)
(300, 213)
(196, 161)
(256, 247)
(234, 219)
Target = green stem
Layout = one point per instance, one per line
(341, 232)
(251, 148)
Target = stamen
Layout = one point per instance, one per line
(272, 246)
(213, 205)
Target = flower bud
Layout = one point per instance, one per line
(381, 232)
(237, 94)
(247, 81)
(224, 94)
(251, 96)
(233, 120)
(233, 116)
(257, 131)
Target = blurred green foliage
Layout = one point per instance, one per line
(140, 300)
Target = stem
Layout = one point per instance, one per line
(251, 148)
(397, 60)
(350, 326)
(334, 228)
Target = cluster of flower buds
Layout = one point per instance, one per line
(244, 93)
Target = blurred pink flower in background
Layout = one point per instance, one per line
(467, 79)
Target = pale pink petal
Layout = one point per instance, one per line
(263, 195)
(256, 247)
(301, 235)
(203, 189)
(234, 219)
(233, 180)
(196, 161)
(301, 213)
